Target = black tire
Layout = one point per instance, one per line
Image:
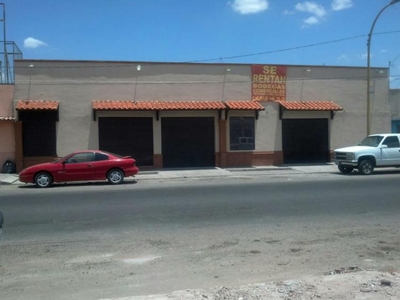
(43, 180)
(366, 167)
(115, 176)
(345, 170)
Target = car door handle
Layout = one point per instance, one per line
(90, 165)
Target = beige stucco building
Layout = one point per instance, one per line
(7, 123)
(394, 96)
(193, 115)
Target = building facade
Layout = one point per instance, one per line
(394, 96)
(173, 115)
(7, 123)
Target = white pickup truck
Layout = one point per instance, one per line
(375, 151)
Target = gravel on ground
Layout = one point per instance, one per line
(339, 284)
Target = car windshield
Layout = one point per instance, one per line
(59, 159)
(371, 141)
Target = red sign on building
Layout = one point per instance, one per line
(268, 83)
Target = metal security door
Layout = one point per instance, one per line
(305, 140)
(188, 142)
(128, 136)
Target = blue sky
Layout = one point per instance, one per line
(321, 32)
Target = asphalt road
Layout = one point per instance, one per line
(99, 241)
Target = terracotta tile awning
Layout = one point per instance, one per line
(192, 105)
(7, 119)
(37, 105)
(310, 105)
(244, 105)
(157, 105)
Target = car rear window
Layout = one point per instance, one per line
(101, 156)
(113, 154)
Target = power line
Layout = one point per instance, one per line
(298, 47)
(219, 59)
(226, 82)
(285, 49)
(396, 58)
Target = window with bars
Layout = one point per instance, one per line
(241, 132)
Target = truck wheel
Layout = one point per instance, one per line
(366, 167)
(345, 170)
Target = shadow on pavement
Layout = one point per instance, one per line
(75, 184)
(377, 172)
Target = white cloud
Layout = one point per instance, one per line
(312, 8)
(288, 12)
(246, 7)
(317, 11)
(365, 56)
(33, 43)
(343, 57)
(311, 21)
(341, 4)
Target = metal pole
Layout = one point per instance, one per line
(5, 47)
(369, 66)
(138, 68)
(4, 43)
(223, 83)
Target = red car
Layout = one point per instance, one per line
(84, 165)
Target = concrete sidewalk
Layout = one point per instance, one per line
(8, 179)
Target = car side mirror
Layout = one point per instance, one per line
(383, 146)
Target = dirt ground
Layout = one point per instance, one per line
(340, 284)
(289, 262)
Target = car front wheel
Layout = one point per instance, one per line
(345, 170)
(43, 180)
(115, 176)
(366, 167)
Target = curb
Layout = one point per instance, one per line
(259, 169)
(9, 181)
(12, 179)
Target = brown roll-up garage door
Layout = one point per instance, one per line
(305, 140)
(188, 142)
(38, 133)
(128, 136)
